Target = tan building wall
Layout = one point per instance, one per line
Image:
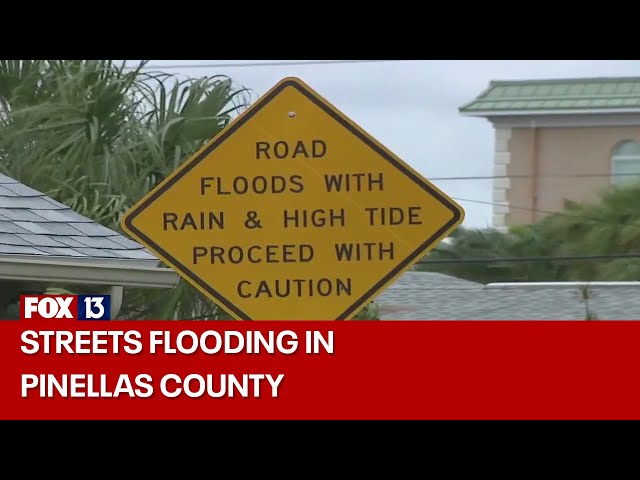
(545, 158)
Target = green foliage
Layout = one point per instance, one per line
(370, 312)
(97, 137)
(10, 291)
(608, 226)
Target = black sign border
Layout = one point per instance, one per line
(229, 131)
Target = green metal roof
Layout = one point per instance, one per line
(572, 95)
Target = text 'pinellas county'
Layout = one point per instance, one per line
(164, 342)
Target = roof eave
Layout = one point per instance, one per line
(632, 283)
(70, 272)
(515, 113)
(483, 94)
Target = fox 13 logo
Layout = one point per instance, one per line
(69, 307)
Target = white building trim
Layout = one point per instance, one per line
(567, 121)
(530, 113)
(66, 272)
(501, 160)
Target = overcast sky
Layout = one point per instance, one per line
(412, 107)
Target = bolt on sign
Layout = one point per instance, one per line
(292, 212)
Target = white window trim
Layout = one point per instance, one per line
(620, 179)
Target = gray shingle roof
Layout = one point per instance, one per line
(434, 296)
(33, 224)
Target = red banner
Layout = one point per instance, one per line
(319, 370)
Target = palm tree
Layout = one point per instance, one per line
(465, 244)
(606, 227)
(97, 136)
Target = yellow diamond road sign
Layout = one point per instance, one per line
(292, 212)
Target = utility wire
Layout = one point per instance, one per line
(501, 260)
(529, 259)
(516, 207)
(535, 210)
(489, 177)
(261, 64)
(528, 209)
(568, 175)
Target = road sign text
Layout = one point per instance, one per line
(292, 213)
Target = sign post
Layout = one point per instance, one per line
(292, 212)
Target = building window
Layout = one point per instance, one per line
(626, 163)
